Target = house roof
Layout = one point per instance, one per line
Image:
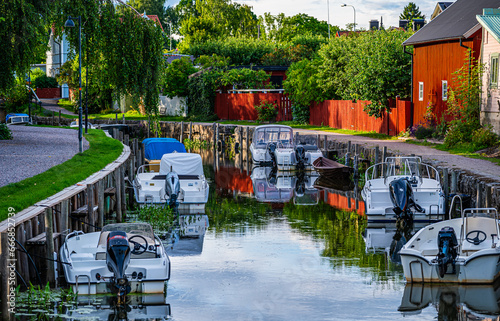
(440, 7)
(457, 21)
(156, 19)
(491, 22)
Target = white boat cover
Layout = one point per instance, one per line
(182, 164)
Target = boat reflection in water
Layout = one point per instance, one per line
(453, 302)
(136, 307)
(270, 185)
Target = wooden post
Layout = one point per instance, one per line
(123, 191)
(49, 246)
(182, 132)
(116, 118)
(190, 130)
(142, 157)
(325, 143)
(247, 146)
(90, 206)
(446, 185)
(53, 118)
(5, 269)
(126, 140)
(489, 192)
(123, 119)
(100, 202)
(479, 195)
(454, 181)
(349, 145)
(22, 258)
(384, 155)
(118, 195)
(64, 216)
(59, 118)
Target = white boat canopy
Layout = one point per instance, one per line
(182, 164)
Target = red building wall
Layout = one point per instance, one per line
(433, 63)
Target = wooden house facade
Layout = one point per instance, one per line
(490, 51)
(439, 49)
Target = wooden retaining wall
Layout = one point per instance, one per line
(41, 228)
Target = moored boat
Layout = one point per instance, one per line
(331, 169)
(122, 258)
(459, 250)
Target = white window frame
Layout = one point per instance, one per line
(420, 91)
(444, 89)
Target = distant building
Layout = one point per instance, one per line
(490, 98)
(439, 49)
(440, 7)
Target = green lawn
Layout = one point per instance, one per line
(103, 150)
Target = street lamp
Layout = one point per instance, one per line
(328, 9)
(70, 24)
(348, 5)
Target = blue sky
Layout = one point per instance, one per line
(366, 10)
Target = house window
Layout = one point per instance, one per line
(444, 89)
(494, 70)
(421, 91)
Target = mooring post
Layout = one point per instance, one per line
(479, 195)
(376, 161)
(49, 246)
(325, 144)
(454, 182)
(64, 216)
(190, 130)
(6, 272)
(489, 192)
(181, 136)
(123, 191)
(123, 119)
(118, 195)
(384, 156)
(247, 143)
(90, 206)
(53, 116)
(100, 202)
(214, 134)
(59, 118)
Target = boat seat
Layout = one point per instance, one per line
(163, 177)
(81, 256)
(309, 147)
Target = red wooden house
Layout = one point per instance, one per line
(439, 49)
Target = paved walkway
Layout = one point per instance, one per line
(430, 155)
(33, 150)
(51, 104)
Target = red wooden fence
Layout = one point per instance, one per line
(241, 106)
(345, 114)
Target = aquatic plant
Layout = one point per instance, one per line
(162, 219)
(197, 144)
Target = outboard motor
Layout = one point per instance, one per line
(271, 148)
(117, 260)
(172, 188)
(402, 198)
(300, 157)
(447, 246)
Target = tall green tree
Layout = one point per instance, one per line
(150, 7)
(410, 12)
(283, 29)
(24, 36)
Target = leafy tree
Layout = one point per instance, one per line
(150, 7)
(244, 78)
(410, 12)
(283, 29)
(24, 30)
(214, 19)
(176, 77)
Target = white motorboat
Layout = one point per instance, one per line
(193, 225)
(270, 185)
(403, 188)
(180, 181)
(75, 124)
(122, 258)
(459, 250)
(273, 145)
(17, 119)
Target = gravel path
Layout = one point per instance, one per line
(34, 150)
(436, 157)
(51, 104)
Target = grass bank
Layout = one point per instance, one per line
(102, 151)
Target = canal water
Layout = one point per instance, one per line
(267, 256)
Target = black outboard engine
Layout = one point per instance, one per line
(403, 200)
(300, 157)
(447, 245)
(172, 188)
(271, 148)
(117, 260)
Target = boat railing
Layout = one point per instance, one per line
(145, 168)
(408, 169)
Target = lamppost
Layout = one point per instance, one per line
(348, 5)
(328, 9)
(70, 24)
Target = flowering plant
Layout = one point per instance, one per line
(266, 111)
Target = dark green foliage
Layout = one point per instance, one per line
(266, 111)
(244, 78)
(24, 31)
(15, 97)
(45, 81)
(300, 113)
(410, 12)
(176, 77)
(484, 137)
(5, 132)
(201, 97)
(422, 132)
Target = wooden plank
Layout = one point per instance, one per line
(40, 239)
(4, 269)
(49, 246)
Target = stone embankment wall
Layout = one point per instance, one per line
(483, 191)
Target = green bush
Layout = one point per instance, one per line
(44, 81)
(422, 132)
(16, 97)
(266, 111)
(5, 132)
(483, 138)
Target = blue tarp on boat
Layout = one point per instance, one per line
(155, 148)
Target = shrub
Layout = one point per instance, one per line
(266, 111)
(422, 132)
(16, 97)
(45, 81)
(483, 138)
(5, 132)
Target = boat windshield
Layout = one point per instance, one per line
(406, 166)
(131, 228)
(281, 135)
